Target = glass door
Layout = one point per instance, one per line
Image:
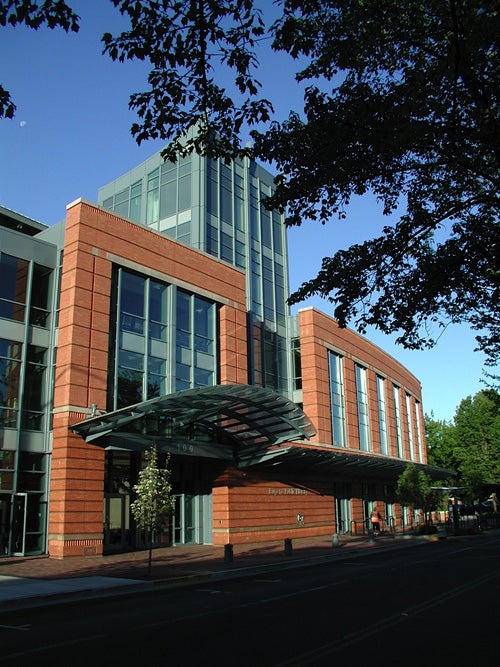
(5, 506)
(185, 519)
(19, 524)
(116, 521)
(343, 514)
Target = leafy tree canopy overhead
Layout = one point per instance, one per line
(401, 100)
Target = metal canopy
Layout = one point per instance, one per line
(346, 463)
(222, 421)
(241, 424)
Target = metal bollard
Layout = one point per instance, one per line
(335, 540)
(228, 553)
(288, 546)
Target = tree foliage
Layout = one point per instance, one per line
(470, 444)
(53, 13)
(154, 500)
(477, 424)
(187, 44)
(440, 436)
(401, 101)
(414, 489)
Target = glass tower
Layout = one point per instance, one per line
(220, 209)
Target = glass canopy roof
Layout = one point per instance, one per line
(223, 421)
(243, 424)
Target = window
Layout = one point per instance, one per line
(34, 394)
(143, 336)
(337, 399)
(130, 378)
(40, 295)
(410, 427)
(419, 432)
(13, 286)
(195, 342)
(270, 358)
(278, 233)
(212, 188)
(254, 213)
(10, 371)
(168, 193)
(296, 364)
(153, 198)
(363, 411)
(265, 226)
(157, 311)
(268, 289)
(135, 201)
(132, 302)
(226, 194)
(184, 202)
(121, 202)
(226, 247)
(239, 201)
(382, 415)
(397, 418)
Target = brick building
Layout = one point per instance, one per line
(159, 316)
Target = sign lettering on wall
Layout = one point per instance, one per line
(287, 491)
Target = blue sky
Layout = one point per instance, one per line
(71, 134)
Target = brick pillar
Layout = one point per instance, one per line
(77, 475)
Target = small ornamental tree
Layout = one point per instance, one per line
(154, 500)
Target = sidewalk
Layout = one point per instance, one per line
(39, 580)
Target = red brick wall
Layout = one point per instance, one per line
(263, 508)
(318, 334)
(92, 235)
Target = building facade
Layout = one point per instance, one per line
(158, 317)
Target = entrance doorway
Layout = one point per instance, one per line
(343, 513)
(5, 509)
(116, 521)
(342, 491)
(19, 524)
(184, 519)
(193, 518)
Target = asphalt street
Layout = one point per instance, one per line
(433, 603)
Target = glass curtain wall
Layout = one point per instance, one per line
(241, 231)
(165, 340)
(220, 209)
(160, 198)
(25, 402)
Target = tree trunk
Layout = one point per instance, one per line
(150, 551)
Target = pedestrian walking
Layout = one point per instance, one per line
(375, 521)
